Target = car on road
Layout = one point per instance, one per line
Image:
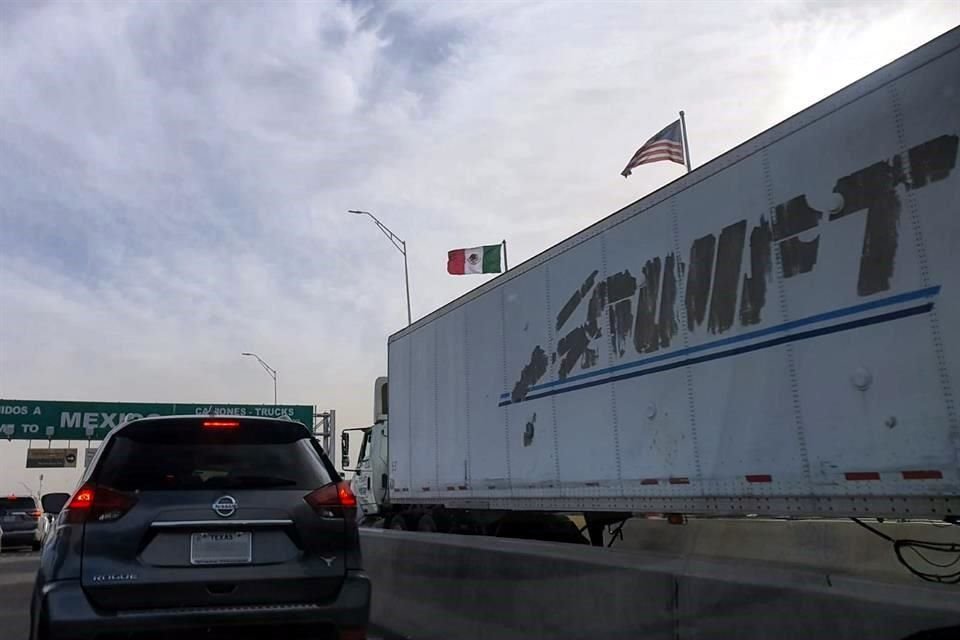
(204, 525)
(22, 522)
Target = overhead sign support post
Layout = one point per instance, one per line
(90, 452)
(326, 429)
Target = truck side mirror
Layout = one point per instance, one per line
(344, 450)
(53, 502)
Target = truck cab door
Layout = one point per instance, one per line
(380, 463)
(364, 479)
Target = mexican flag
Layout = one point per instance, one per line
(476, 260)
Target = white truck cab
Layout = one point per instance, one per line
(370, 481)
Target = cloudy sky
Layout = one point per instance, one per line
(174, 175)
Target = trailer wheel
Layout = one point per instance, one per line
(398, 523)
(427, 523)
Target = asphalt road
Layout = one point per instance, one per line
(17, 570)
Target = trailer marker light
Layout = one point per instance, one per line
(862, 475)
(922, 475)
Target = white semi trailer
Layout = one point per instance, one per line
(776, 333)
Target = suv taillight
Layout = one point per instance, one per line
(98, 504)
(334, 496)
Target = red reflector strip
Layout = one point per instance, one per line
(649, 481)
(451, 488)
(862, 475)
(593, 484)
(358, 633)
(220, 424)
(760, 477)
(679, 480)
(425, 488)
(462, 487)
(922, 475)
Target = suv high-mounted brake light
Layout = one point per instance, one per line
(98, 504)
(221, 424)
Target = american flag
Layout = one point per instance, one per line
(666, 145)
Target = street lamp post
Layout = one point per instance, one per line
(270, 370)
(400, 245)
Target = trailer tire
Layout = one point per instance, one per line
(398, 523)
(427, 524)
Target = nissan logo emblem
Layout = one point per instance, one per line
(225, 506)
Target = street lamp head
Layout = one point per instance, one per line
(245, 353)
(362, 213)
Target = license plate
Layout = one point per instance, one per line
(221, 547)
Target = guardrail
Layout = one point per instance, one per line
(446, 586)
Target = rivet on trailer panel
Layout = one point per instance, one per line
(861, 378)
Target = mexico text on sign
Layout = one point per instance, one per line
(54, 420)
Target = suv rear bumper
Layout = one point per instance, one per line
(21, 538)
(68, 615)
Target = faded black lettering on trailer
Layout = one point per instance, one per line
(530, 374)
(641, 310)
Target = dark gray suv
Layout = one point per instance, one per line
(225, 527)
(21, 522)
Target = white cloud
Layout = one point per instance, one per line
(175, 175)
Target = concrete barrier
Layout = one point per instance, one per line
(430, 586)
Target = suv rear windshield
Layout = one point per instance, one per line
(14, 504)
(183, 455)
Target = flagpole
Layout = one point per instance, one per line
(686, 146)
(505, 266)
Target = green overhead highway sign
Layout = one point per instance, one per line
(54, 420)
